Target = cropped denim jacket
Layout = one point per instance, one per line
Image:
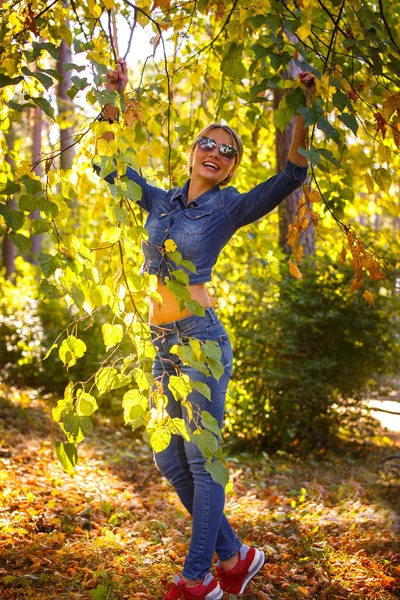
(203, 227)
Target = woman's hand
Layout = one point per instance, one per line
(308, 79)
(118, 78)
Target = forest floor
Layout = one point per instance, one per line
(116, 531)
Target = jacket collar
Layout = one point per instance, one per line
(182, 194)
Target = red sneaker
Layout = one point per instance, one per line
(208, 589)
(234, 581)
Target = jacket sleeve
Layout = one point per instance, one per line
(149, 192)
(243, 209)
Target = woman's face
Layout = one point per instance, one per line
(210, 165)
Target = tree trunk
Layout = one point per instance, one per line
(8, 248)
(65, 107)
(288, 206)
(36, 155)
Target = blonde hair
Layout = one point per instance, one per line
(237, 142)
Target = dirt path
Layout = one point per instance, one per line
(116, 531)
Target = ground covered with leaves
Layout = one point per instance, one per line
(115, 530)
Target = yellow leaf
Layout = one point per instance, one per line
(315, 196)
(94, 8)
(105, 148)
(390, 104)
(299, 253)
(293, 236)
(369, 182)
(303, 210)
(295, 271)
(195, 77)
(314, 218)
(356, 284)
(143, 156)
(369, 297)
(343, 255)
(24, 167)
(385, 154)
(156, 148)
(108, 3)
(170, 246)
(304, 31)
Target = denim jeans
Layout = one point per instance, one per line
(182, 462)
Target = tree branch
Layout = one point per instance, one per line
(387, 25)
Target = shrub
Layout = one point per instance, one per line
(306, 357)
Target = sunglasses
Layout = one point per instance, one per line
(226, 150)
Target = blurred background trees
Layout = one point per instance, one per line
(306, 352)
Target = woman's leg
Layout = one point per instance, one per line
(183, 463)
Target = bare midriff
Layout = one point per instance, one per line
(169, 310)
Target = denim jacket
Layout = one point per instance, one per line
(203, 227)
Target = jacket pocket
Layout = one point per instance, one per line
(195, 222)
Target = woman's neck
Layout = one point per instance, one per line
(197, 187)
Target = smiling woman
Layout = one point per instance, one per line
(198, 220)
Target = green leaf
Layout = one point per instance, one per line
(6, 80)
(340, 101)
(195, 307)
(20, 107)
(76, 428)
(175, 256)
(112, 335)
(206, 442)
(79, 82)
(29, 203)
(312, 155)
(8, 188)
(218, 472)
(203, 388)
(72, 66)
(178, 289)
(71, 349)
(186, 264)
(67, 455)
(349, 121)
(212, 350)
(180, 276)
(116, 214)
(209, 422)
(100, 593)
(282, 116)
(160, 439)
(41, 226)
(133, 190)
(48, 290)
(324, 125)
(329, 156)
(105, 379)
(14, 218)
(382, 178)
(32, 186)
(63, 407)
(22, 242)
(44, 79)
(49, 263)
(295, 99)
(45, 106)
(180, 427)
(86, 405)
(134, 405)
